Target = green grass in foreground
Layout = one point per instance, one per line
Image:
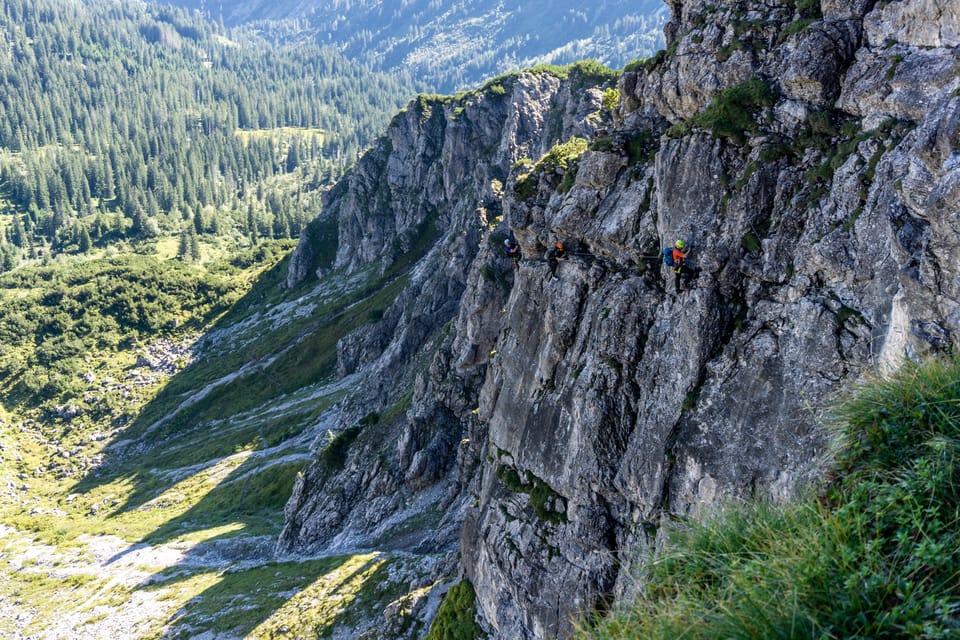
(876, 555)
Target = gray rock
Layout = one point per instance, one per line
(814, 61)
(554, 427)
(921, 23)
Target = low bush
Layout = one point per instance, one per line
(732, 113)
(334, 455)
(455, 618)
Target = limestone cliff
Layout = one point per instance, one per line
(427, 194)
(809, 153)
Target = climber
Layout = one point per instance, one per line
(512, 249)
(554, 255)
(675, 257)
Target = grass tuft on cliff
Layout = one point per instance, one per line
(875, 555)
(455, 618)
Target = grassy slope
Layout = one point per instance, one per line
(191, 464)
(875, 555)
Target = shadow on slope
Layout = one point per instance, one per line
(309, 598)
(256, 391)
(209, 463)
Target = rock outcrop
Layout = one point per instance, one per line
(555, 426)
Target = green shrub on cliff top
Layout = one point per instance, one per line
(876, 555)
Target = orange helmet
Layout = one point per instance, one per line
(559, 245)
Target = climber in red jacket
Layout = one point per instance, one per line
(675, 257)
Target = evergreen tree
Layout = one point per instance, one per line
(183, 249)
(194, 247)
(251, 224)
(84, 243)
(293, 156)
(7, 261)
(17, 235)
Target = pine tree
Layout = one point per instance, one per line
(251, 224)
(293, 156)
(183, 249)
(194, 247)
(17, 235)
(8, 261)
(84, 242)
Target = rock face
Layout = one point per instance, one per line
(429, 192)
(557, 425)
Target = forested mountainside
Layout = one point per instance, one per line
(122, 121)
(551, 431)
(452, 45)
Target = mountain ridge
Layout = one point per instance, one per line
(452, 46)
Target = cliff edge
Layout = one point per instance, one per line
(544, 430)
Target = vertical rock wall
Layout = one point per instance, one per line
(431, 185)
(565, 421)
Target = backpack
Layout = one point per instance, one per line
(668, 257)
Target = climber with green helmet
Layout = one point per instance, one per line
(675, 257)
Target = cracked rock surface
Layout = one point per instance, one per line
(555, 426)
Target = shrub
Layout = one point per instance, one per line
(455, 617)
(561, 155)
(593, 71)
(795, 27)
(543, 498)
(731, 113)
(334, 455)
(560, 159)
(724, 52)
(649, 64)
(525, 187)
(642, 146)
(809, 9)
(601, 143)
(611, 99)
(750, 243)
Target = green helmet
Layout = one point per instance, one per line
(680, 244)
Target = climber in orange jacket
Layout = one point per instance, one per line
(554, 255)
(675, 257)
